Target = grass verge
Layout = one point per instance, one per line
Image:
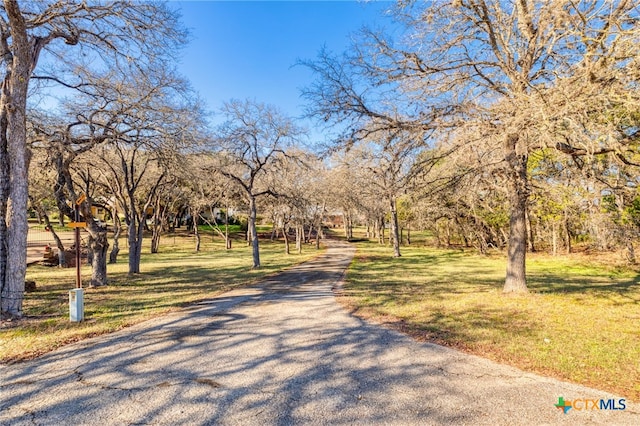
(171, 279)
(580, 322)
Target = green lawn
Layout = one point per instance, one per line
(173, 278)
(580, 322)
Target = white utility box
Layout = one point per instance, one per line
(76, 305)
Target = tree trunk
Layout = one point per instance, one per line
(135, 243)
(136, 220)
(350, 229)
(5, 295)
(155, 241)
(62, 262)
(274, 230)
(299, 238)
(117, 230)
(465, 239)
(346, 225)
(516, 281)
(308, 234)
(530, 235)
(226, 229)
(13, 103)
(98, 246)
(395, 234)
(196, 232)
(195, 217)
(375, 229)
(286, 240)
(60, 218)
(630, 252)
(43, 217)
(567, 233)
(158, 225)
(89, 254)
(252, 231)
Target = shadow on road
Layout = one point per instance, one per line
(279, 353)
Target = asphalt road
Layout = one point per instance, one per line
(281, 353)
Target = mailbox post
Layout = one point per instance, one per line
(76, 305)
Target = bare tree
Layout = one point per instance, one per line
(207, 190)
(65, 146)
(521, 75)
(251, 142)
(131, 31)
(393, 159)
(347, 192)
(300, 203)
(41, 197)
(155, 118)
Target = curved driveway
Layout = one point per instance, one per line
(280, 353)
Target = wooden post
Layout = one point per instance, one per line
(77, 232)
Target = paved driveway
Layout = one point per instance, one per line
(280, 353)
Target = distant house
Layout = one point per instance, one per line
(335, 220)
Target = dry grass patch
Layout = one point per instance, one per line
(172, 279)
(580, 322)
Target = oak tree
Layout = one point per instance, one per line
(127, 32)
(250, 143)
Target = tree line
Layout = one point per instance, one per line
(490, 123)
(512, 105)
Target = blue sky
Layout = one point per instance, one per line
(247, 49)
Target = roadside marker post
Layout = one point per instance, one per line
(76, 296)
